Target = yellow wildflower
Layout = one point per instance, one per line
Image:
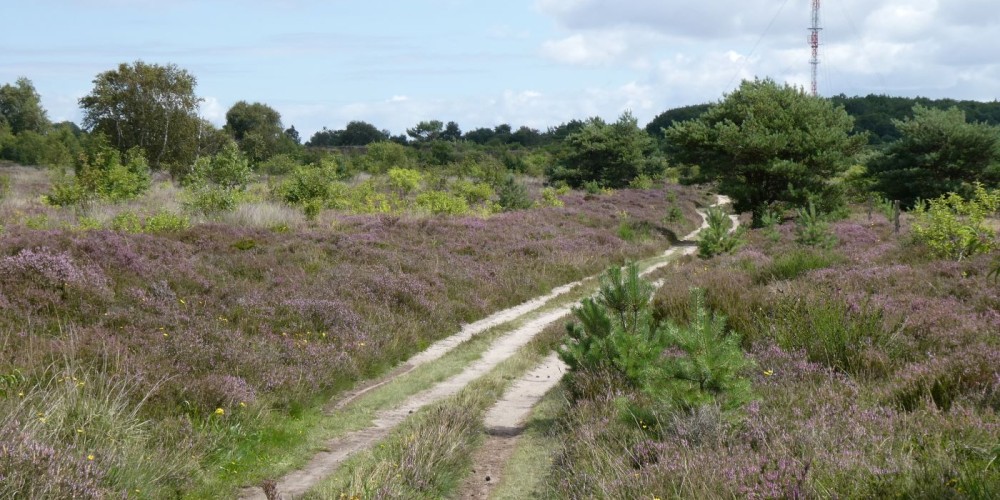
(220, 411)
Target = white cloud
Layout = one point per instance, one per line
(212, 110)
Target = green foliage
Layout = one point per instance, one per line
(21, 108)
(405, 180)
(954, 227)
(4, 185)
(165, 222)
(310, 182)
(126, 222)
(210, 199)
(678, 368)
(147, 106)
(716, 239)
(766, 143)
(674, 215)
(473, 192)
(631, 230)
(641, 181)
(812, 229)
(384, 155)
(832, 334)
(793, 264)
(256, 128)
(770, 219)
(103, 173)
(512, 195)
(611, 155)
(938, 152)
(442, 203)
(550, 198)
(281, 164)
(229, 169)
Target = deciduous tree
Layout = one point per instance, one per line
(149, 106)
(21, 107)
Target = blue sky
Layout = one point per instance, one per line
(481, 63)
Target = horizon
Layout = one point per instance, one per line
(535, 63)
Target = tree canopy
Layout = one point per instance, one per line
(767, 143)
(256, 128)
(148, 106)
(21, 107)
(610, 154)
(938, 152)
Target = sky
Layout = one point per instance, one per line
(482, 63)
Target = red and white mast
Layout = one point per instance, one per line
(814, 44)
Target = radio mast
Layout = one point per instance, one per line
(814, 44)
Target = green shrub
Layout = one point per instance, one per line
(631, 230)
(793, 264)
(281, 164)
(126, 222)
(955, 228)
(309, 182)
(229, 169)
(674, 215)
(716, 239)
(642, 181)
(473, 192)
(36, 222)
(831, 333)
(65, 192)
(162, 222)
(811, 229)
(405, 180)
(770, 219)
(211, 199)
(593, 187)
(87, 224)
(384, 155)
(678, 368)
(550, 198)
(442, 203)
(512, 195)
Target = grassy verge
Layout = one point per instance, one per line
(428, 455)
(525, 473)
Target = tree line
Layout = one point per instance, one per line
(766, 145)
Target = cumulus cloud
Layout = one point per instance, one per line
(688, 52)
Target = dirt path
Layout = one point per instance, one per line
(506, 419)
(517, 403)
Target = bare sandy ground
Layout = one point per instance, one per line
(507, 416)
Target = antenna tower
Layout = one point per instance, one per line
(814, 44)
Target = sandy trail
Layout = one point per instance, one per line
(510, 415)
(505, 421)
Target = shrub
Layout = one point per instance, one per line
(679, 368)
(211, 199)
(405, 180)
(309, 182)
(832, 333)
(955, 228)
(442, 203)
(229, 169)
(641, 181)
(126, 222)
(811, 229)
(162, 222)
(716, 239)
(474, 192)
(793, 264)
(103, 173)
(281, 164)
(512, 195)
(550, 198)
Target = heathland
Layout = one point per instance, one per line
(186, 311)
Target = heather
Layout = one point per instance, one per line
(166, 360)
(874, 375)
